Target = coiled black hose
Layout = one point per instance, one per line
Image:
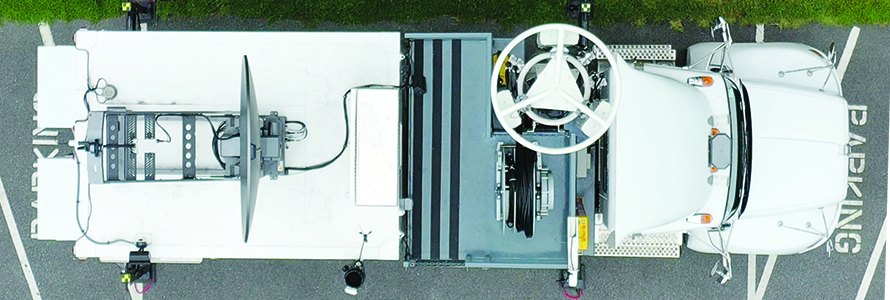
(524, 189)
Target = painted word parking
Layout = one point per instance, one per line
(847, 238)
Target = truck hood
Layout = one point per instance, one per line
(799, 159)
(748, 234)
(658, 154)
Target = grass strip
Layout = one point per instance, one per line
(788, 13)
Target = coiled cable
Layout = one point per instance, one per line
(524, 189)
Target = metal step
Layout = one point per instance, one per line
(663, 245)
(641, 52)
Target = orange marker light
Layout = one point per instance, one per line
(713, 169)
(708, 81)
(700, 218)
(706, 218)
(714, 131)
(700, 81)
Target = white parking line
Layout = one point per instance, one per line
(38, 142)
(132, 288)
(764, 279)
(875, 255)
(758, 35)
(17, 242)
(848, 52)
(873, 262)
(752, 275)
(46, 34)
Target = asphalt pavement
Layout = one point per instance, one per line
(812, 275)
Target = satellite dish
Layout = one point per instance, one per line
(251, 154)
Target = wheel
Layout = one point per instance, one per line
(556, 89)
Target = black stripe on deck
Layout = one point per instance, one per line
(417, 156)
(404, 129)
(455, 151)
(436, 156)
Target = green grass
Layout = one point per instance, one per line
(371, 11)
(788, 13)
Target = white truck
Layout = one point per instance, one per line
(744, 150)
(442, 159)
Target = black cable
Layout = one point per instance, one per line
(223, 128)
(216, 147)
(218, 137)
(295, 122)
(213, 130)
(86, 104)
(83, 230)
(90, 214)
(169, 139)
(346, 123)
(91, 89)
(525, 187)
(343, 149)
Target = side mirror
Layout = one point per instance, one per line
(832, 54)
(724, 30)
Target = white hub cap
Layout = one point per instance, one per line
(556, 89)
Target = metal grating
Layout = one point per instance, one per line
(149, 166)
(149, 126)
(129, 154)
(149, 157)
(641, 52)
(663, 245)
(437, 263)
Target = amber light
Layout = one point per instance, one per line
(706, 218)
(700, 81)
(700, 218)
